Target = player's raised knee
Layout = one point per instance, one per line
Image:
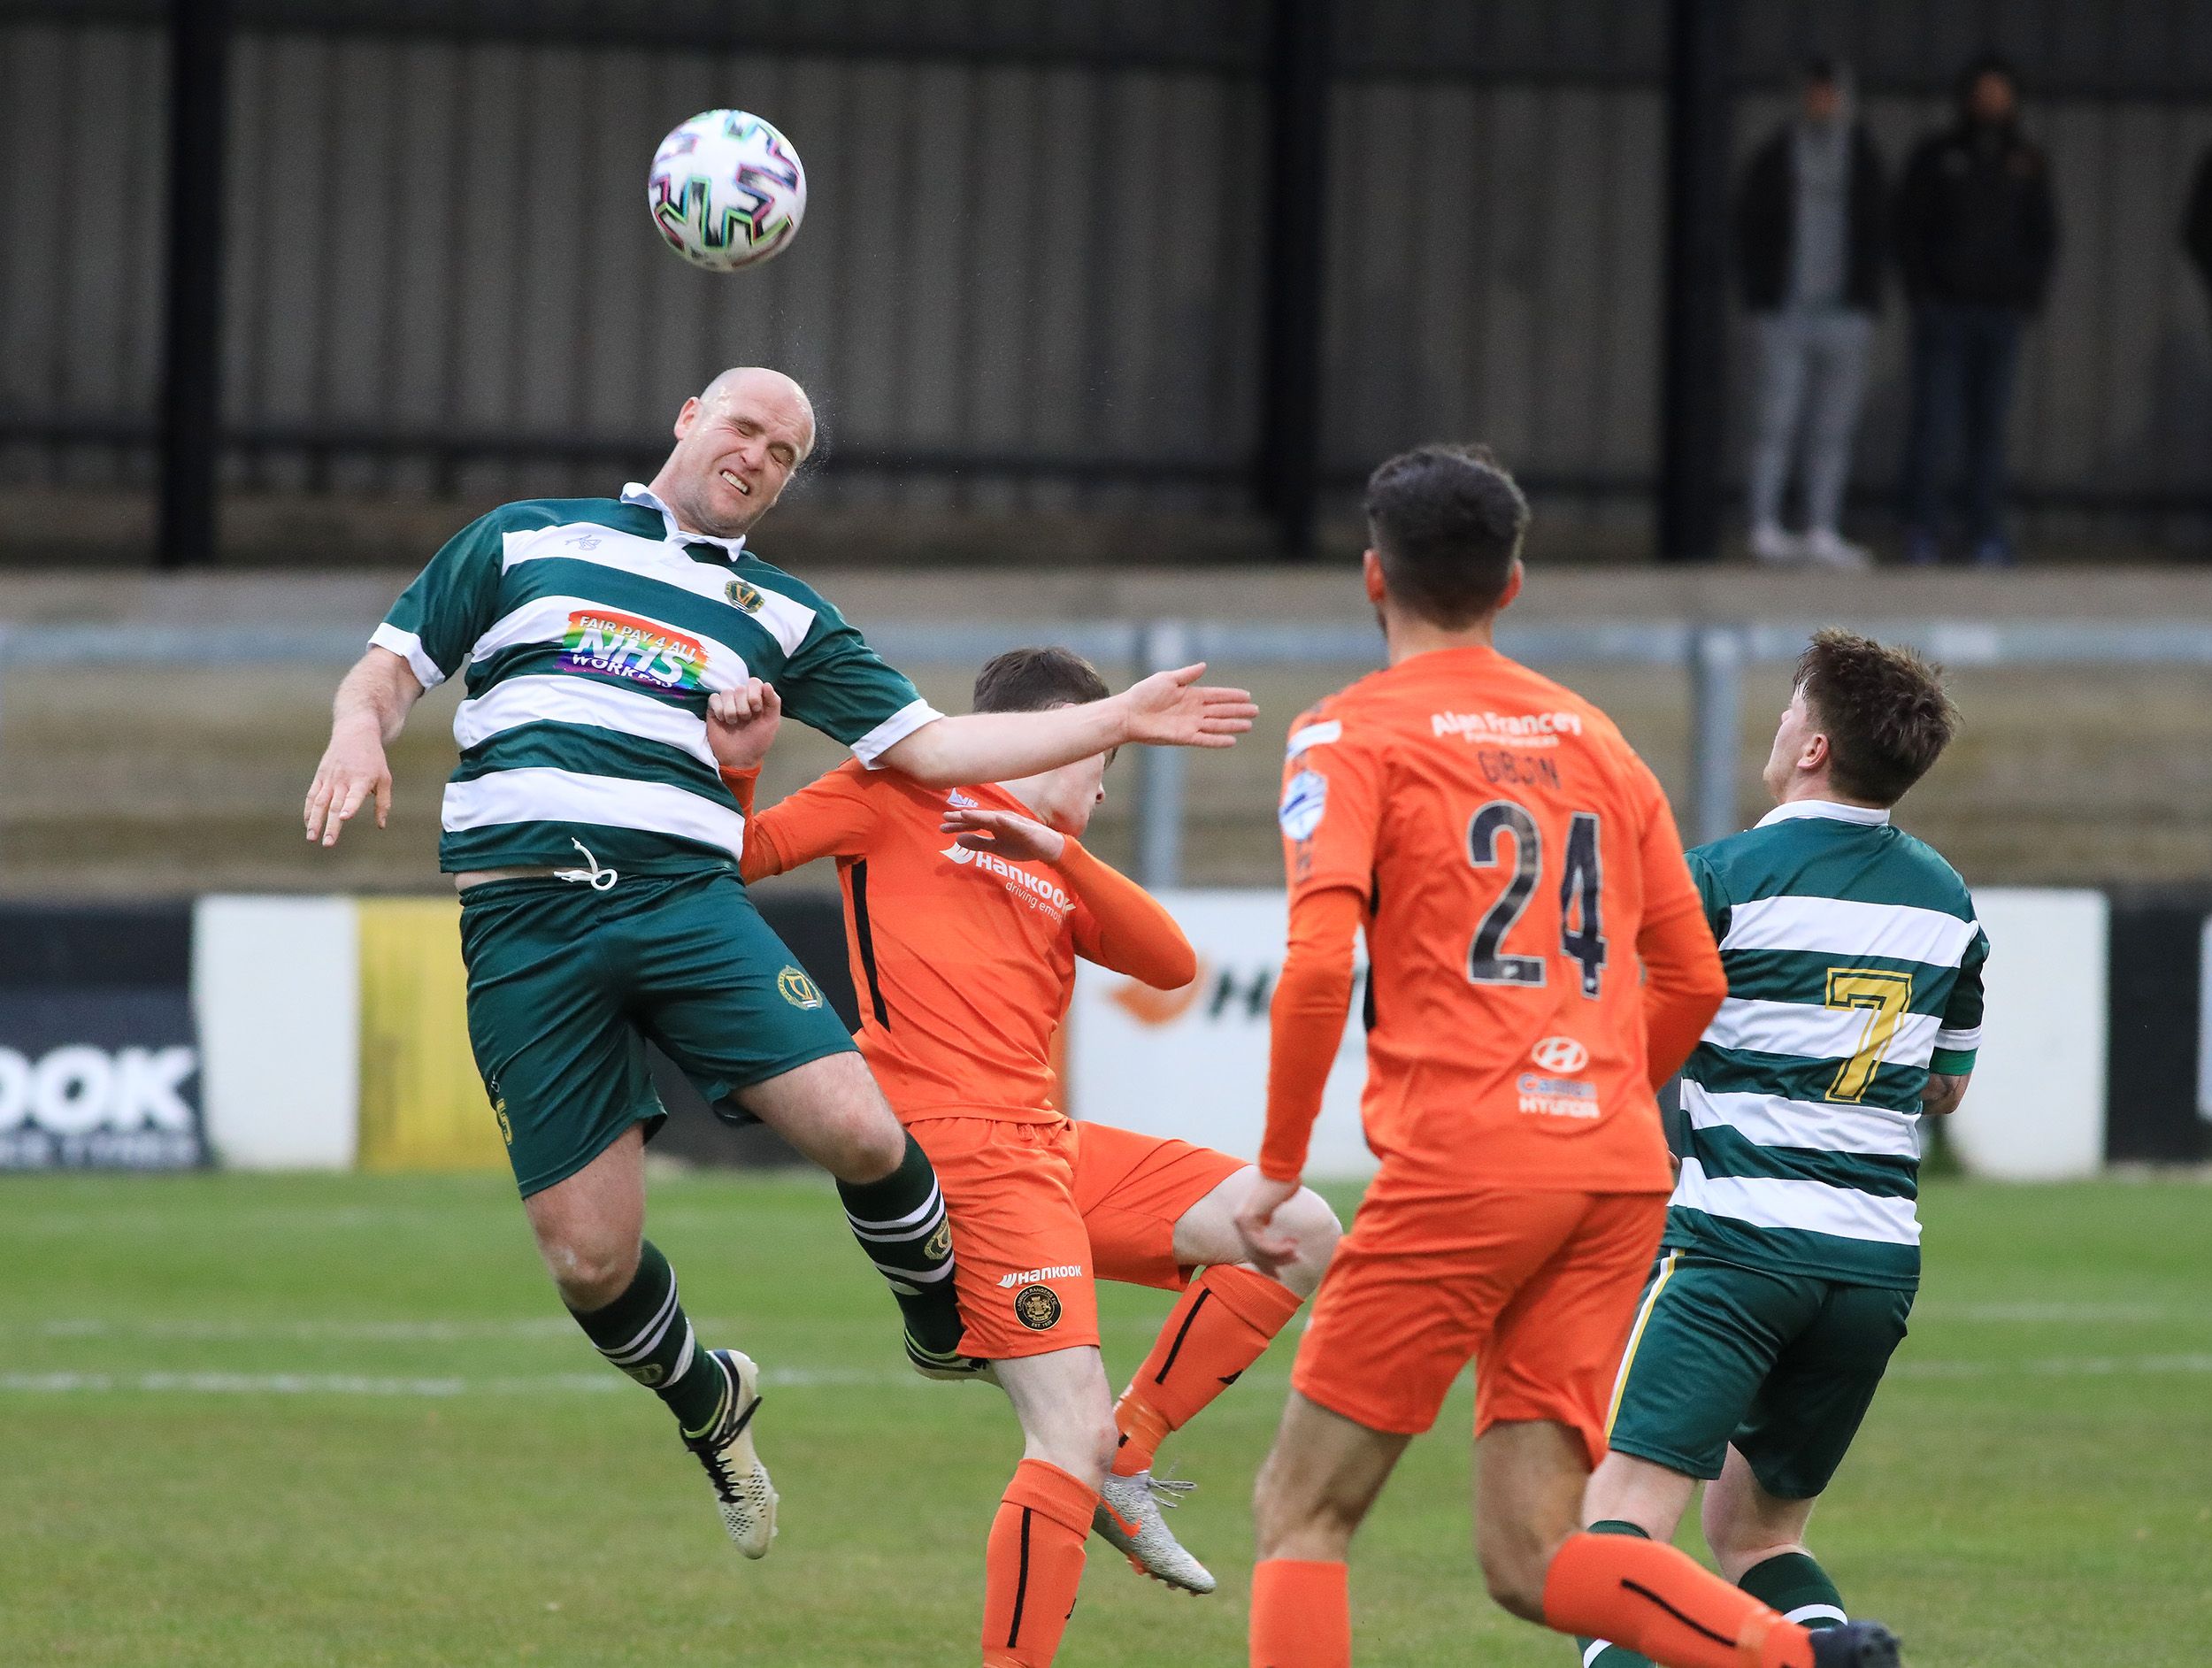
(1309, 1219)
(591, 1270)
(1079, 1444)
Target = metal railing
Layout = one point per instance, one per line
(1712, 655)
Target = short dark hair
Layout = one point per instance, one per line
(1448, 523)
(1884, 712)
(1031, 679)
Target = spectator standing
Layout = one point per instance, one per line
(1809, 212)
(1976, 235)
(2196, 221)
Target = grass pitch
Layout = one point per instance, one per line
(253, 1421)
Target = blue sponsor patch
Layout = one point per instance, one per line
(1305, 796)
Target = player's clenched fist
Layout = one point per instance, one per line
(741, 723)
(1173, 709)
(353, 771)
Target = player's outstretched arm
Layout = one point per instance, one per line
(368, 712)
(1169, 709)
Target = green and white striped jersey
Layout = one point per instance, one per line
(592, 632)
(1854, 969)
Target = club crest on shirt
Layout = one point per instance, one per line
(744, 595)
(797, 989)
(1037, 1308)
(1305, 797)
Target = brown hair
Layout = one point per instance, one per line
(1446, 522)
(1031, 679)
(1883, 710)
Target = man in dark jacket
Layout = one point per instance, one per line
(1808, 257)
(1976, 235)
(2196, 222)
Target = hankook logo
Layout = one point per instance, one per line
(1559, 1053)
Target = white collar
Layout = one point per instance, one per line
(637, 493)
(1872, 815)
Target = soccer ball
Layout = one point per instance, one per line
(726, 190)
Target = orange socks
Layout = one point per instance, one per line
(1665, 1605)
(1033, 1564)
(1219, 1326)
(1302, 1615)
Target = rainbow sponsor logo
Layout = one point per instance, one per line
(618, 645)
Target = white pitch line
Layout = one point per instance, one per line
(447, 1387)
(319, 1330)
(2063, 1313)
(440, 1387)
(2055, 1367)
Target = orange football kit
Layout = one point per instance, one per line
(963, 963)
(1539, 962)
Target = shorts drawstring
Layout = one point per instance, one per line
(597, 879)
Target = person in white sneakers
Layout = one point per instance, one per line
(1808, 223)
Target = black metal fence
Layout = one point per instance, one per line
(1208, 255)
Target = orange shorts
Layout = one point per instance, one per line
(1539, 1288)
(1039, 1211)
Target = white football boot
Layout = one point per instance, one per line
(1130, 1520)
(741, 1488)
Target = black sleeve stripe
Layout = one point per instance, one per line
(867, 939)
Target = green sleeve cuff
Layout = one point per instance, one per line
(1952, 1062)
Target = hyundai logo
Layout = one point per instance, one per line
(1559, 1053)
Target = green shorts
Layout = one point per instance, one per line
(567, 985)
(1783, 1367)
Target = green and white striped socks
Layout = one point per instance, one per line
(1793, 1583)
(900, 1222)
(646, 1332)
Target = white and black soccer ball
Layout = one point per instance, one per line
(726, 190)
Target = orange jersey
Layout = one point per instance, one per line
(1508, 850)
(965, 962)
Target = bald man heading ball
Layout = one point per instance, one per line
(596, 850)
